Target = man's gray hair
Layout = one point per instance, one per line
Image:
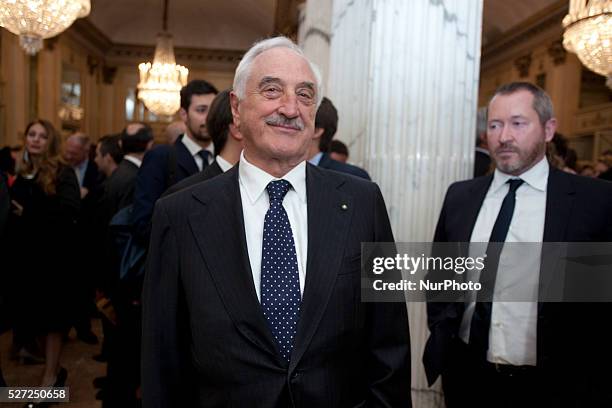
(541, 101)
(80, 137)
(244, 67)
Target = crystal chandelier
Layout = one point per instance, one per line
(588, 34)
(161, 82)
(34, 20)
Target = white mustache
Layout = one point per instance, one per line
(280, 120)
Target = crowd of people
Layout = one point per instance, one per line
(176, 244)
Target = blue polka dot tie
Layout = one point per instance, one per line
(280, 281)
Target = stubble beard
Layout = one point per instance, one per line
(524, 161)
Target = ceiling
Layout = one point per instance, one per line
(209, 24)
(500, 16)
(236, 24)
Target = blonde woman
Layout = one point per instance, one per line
(45, 202)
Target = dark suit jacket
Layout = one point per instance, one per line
(209, 172)
(154, 178)
(205, 339)
(482, 163)
(578, 209)
(328, 163)
(119, 192)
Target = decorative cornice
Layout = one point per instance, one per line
(183, 55)
(86, 31)
(523, 64)
(557, 52)
(548, 19)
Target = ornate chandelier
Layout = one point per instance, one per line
(34, 20)
(161, 82)
(588, 34)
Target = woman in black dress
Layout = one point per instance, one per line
(45, 199)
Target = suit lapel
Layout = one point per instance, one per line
(219, 232)
(328, 226)
(560, 195)
(184, 159)
(472, 205)
(559, 202)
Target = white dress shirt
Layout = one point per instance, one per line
(137, 162)
(80, 170)
(513, 331)
(255, 205)
(224, 164)
(195, 148)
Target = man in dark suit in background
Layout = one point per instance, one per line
(482, 157)
(166, 165)
(135, 140)
(511, 354)
(123, 376)
(252, 289)
(326, 124)
(226, 139)
(76, 152)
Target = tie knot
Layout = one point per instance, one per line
(204, 154)
(515, 184)
(277, 189)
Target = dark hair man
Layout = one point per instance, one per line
(521, 353)
(108, 154)
(326, 124)
(226, 139)
(165, 165)
(238, 309)
(123, 355)
(338, 151)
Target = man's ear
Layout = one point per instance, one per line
(234, 132)
(234, 102)
(550, 128)
(183, 114)
(318, 133)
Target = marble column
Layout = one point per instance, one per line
(404, 77)
(314, 34)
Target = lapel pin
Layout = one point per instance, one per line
(344, 207)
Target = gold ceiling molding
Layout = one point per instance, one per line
(517, 40)
(115, 53)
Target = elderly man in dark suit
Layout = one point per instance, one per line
(226, 139)
(511, 354)
(252, 292)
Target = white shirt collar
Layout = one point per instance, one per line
(536, 177)
(224, 164)
(255, 180)
(316, 159)
(195, 148)
(137, 162)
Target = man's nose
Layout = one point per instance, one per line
(506, 134)
(289, 105)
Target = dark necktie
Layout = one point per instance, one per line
(481, 320)
(280, 282)
(204, 154)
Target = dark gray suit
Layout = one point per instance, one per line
(206, 342)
